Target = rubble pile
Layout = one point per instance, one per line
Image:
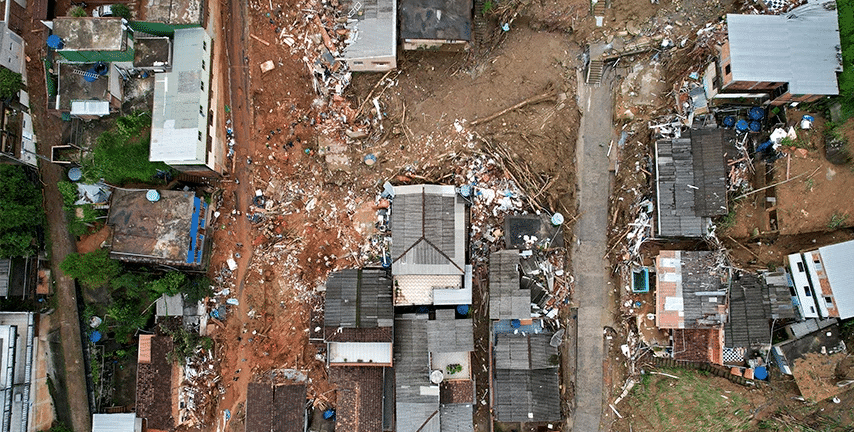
(199, 387)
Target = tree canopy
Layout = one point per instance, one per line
(10, 83)
(21, 213)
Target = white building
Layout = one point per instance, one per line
(17, 345)
(824, 281)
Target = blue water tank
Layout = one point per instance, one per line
(55, 42)
(95, 336)
(465, 190)
(729, 121)
(741, 125)
(760, 372)
(75, 174)
(463, 309)
(755, 126)
(515, 323)
(756, 113)
(764, 146)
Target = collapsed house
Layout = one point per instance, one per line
(755, 300)
(824, 281)
(690, 301)
(690, 179)
(792, 57)
(159, 227)
(428, 248)
(155, 397)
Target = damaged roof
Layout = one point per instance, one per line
(507, 299)
(752, 304)
(359, 306)
(435, 19)
(428, 231)
(152, 231)
(154, 384)
(800, 47)
(691, 181)
(526, 378)
(703, 345)
(689, 294)
(91, 33)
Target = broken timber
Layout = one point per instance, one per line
(532, 100)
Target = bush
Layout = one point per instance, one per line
(68, 190)
(21, 213)
(121, 154)
(121, 10)
(93, 269)
(10, 83)
(77, 12)
(846, 35)
(185, 344)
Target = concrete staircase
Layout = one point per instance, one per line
(594, 72)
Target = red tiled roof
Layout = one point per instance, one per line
(704, 345)
(144, 355)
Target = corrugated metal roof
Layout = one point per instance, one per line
(507, 300)
(428, 231)
(708, 146)
(360, 352)
(180, 110)
(837, 260)
(799, 47)
(90, 107)
(359, 299)
(524, 351)
(113, 422)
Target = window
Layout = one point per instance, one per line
(812, 309)
(817, 263)
(806, 289)
(728, 69)
(828, 301)
(800, 267)
(792, 291)
(205, 45)
(200, 135)
(203, 86)
(203, 65)
(201, 110)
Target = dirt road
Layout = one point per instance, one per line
(591, 231)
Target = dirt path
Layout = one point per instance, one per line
(591, 233)
(72, 405)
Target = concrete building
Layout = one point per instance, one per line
(792, 57)
(435, 24)
(17, 345)
(169, 231)
(182, 133)
(92, 39)
(372, 42)
(824, 281)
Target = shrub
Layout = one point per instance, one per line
(93, 269)
(121, 10)
(68, 190)
(77, 12)
(21, 212)
(10, 83)
(121, 154)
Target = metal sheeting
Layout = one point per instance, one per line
(837, 260)
(113, 422)
(708, 149)
(507, 300)
(799, 47)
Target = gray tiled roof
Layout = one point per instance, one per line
(527, 395)
(359, 299)
(446, 334)
(799, 47)
(506, 298)
(749, 312)
(523, 352)
(428, 230)
(435, 19)
(412, 372)
(691, 181)
(457, 418)
(699, 311)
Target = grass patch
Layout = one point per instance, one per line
(837, 221)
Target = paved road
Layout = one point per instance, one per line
(591, 232)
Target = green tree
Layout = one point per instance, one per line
(129, 315)
(68, 190)
(169, 284)
(10, 83)
(121, 10)
(77, 12)
(93, 269)
(21, 213)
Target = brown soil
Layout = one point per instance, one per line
(92, 242)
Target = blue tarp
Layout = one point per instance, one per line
(194, 230)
